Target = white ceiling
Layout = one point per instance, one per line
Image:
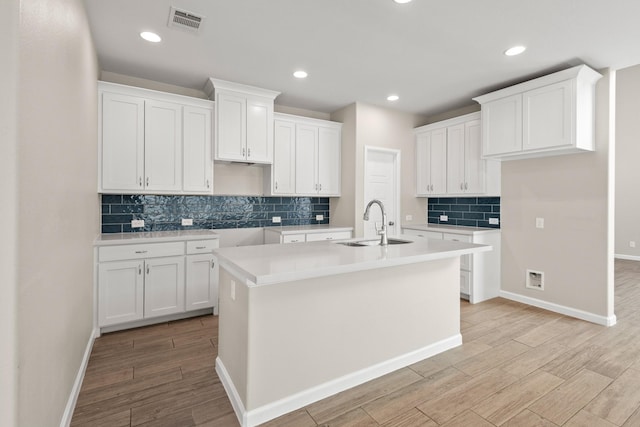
(435, 54)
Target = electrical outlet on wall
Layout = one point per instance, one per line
(276, 219)
(494, 221)
(187, 221)
(319, 217)
(444, 218)
(632, 244)
(408, 218)
(137, 223)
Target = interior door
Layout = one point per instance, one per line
(382, 172)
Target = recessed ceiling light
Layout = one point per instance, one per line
(150, 37)
(393, 98)
(516, 50)
(402, 1)
(300, 74)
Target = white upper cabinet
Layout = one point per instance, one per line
(163, 146)
(243, 122)
(122, 148)
(449, 160)
(307, 157)
(547, 116)
(283, 180)
(153, 143)
(465, 166)
(431, 162)
(196, 136)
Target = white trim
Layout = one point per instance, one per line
(397, 164)
(280, 407)
(75, 390)
(627, 257)
(562, 309)
(448, 122)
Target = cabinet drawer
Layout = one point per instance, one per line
(202, 246)
(337, 235)
(293, 238)
(146, 250)
(424, 234)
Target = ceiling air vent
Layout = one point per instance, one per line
(185, 20)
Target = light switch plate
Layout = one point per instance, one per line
(408, 218)
(276, 219)
(137, 223)
(187, 221)
(539, 222)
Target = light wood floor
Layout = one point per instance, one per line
(519, 366)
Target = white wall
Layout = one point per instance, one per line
(9, 27)
(572, 194)
(57, 203)
(378, 127)
(627, 161)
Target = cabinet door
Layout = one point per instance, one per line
(423, 179)
(197, 160)
(122, 151)
(547, 116)
(333, 235)
(202, 282)
(329, 161)
(231, 125)
(164, 286)
(465, 284)
(284, 158)
(438, 161)
(121, 292)
(163, 146)
(259, 130)
(502, 125)
(306, 159)
(456, 182)
(475, 167)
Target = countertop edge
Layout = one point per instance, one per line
(454, 229)
(153, 237)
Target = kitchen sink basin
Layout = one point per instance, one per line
(373, 242)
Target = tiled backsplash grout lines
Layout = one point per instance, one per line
(466, 211)
(161, 213)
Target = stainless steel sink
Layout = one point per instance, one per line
(373, 242)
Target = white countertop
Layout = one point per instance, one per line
(107, 239)
(315, 228)
(269, 264)
(454, 229)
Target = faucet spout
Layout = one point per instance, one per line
(383, 233)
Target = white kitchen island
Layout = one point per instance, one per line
(302, 322)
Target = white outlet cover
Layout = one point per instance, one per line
(494, 221)
(539, 222)
(276, 219)
(187, 221)
(137, 223)
(444, 218)
(409, 218)
(319, 217)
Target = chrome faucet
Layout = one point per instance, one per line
(383, 232)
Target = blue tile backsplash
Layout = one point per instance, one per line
(161, 213)
(466, 211)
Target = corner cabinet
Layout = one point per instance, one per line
(449, 161)
(243, 122)
(142, 281)
(547, 116)
(307, 157)
(153, 142)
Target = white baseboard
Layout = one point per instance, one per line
(627, 257)
(280, 407)
(557, 308)
(75, 390)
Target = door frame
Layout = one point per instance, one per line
(397, 165)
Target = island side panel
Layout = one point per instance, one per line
(304, 334)
(233, 331)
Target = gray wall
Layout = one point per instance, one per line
(572, 193)
(57, 129)
(627, 161)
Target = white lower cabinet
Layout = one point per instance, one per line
(202, 282)
(121, 292)
(275, 235)
(145, 281)
(480, 272)
(164, 286)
